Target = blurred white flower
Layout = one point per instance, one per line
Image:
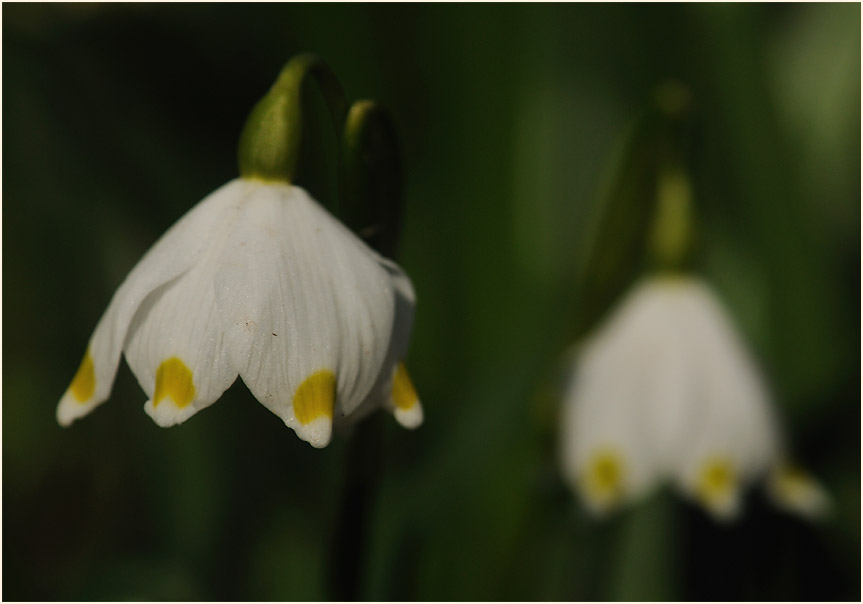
(259, 281)
(664, 391)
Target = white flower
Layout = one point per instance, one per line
(259, 281)
(665, 391)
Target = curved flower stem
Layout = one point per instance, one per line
(372, 185)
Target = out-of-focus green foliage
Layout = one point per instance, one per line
(513, 120)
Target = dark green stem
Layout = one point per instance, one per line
(349, 543)
(371, 199)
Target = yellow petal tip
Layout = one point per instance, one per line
(84, 383)
(602, 482)
(404, 395)
(717, 487)
(174, 381)
(409, 418)
(316, 397)
(796, 491)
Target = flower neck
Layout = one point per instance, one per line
(270, 141)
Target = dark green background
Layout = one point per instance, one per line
(117, 118)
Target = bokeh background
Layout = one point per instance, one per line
(117, 118)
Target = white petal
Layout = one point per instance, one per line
(796, 491)
(405, 301)
(402, 399)
(393, 389)
(176, 345)
(734, 419)
(717, 435)
(172, 255)
(646, 349)
(604, 452)
(299, 295)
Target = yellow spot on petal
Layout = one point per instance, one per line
(603, 479)
(84, 382)
(174, 380)
(404, 395)
(716, 482)
(315, 397)
(796, 487)
(792, 477)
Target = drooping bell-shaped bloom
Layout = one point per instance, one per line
(664, 391)
(259, 281)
